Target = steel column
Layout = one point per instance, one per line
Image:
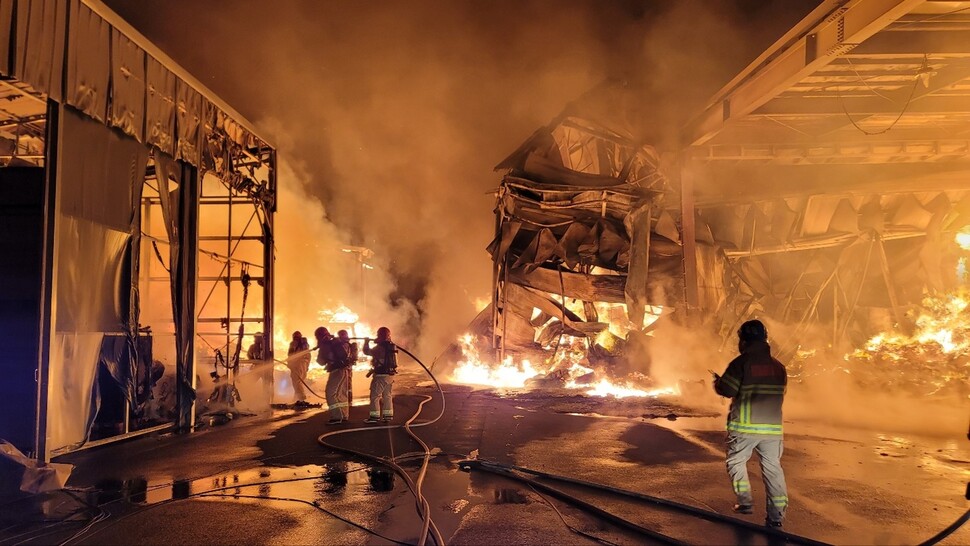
(688, 237)
(48, 283)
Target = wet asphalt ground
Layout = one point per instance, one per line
(266, 480)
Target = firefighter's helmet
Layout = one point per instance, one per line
(753, 330)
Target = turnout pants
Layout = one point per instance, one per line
(337, 383)
(298, 371)
(380, 395)
(769, 448)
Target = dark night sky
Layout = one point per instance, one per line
(396, 112)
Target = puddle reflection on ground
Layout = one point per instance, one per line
(314, 483)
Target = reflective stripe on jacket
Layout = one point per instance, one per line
(755, 382)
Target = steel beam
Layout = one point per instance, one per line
(23, 92)
(801, 106)
(849, 152)
(823, 132)
(689, 238)
(844, 29)
(939, 41)
(231, 320)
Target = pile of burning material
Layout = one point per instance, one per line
(574, 364)
(849, 261)
(931, 359)
(585, 251)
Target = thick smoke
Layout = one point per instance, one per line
(396, 113)
(822, 393)
(315, 273)
(391, 115)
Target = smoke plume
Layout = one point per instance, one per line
(393, 114)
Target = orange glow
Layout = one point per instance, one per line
(941, 327)
(481, 303)
(568, 363)
(928, 360)
(472, 371)
(963, 238)
(342, 317)
(604, 388)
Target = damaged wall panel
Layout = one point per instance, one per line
(581, 223)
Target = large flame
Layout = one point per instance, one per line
(934, 358)
(963, 238)
(341, 317)
(942, 327)
(567, 363)
(604, 388)
(472, 371)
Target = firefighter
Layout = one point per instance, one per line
(299, 363)
(256, 350)
(325, 358)
(338, 356)
(755, 382)
(262, 370)
(383, 368)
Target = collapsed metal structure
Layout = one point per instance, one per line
(820, 189)
(825, 183)
(581, 216)
(138, 216)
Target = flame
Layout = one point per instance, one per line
(604, 388)
(472, 371)
(341, 315)
(932, 359)
(941, 327)
(481, 303)
(568, 363)
(963, 238)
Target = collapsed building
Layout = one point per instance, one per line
(822, 190)
(580, 217)
(137, 230)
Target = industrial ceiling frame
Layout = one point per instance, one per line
(865, 103)
(23, 119)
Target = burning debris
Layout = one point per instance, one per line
(931, 359)
(565, 367)
(583, 240)
(589, 264)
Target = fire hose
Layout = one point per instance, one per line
(948, 531)
(415, 486)
(423, 506)
(509, 471)
(514, 472)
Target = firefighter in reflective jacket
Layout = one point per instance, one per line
(755, 382)
(384, 362)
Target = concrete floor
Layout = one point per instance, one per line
(242, 483)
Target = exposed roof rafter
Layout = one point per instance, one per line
(845, 27)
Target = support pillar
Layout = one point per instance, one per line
(186, 320)
(269, 276)
(48, 283)
(688, 239)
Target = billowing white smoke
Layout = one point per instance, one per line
(314, 274)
